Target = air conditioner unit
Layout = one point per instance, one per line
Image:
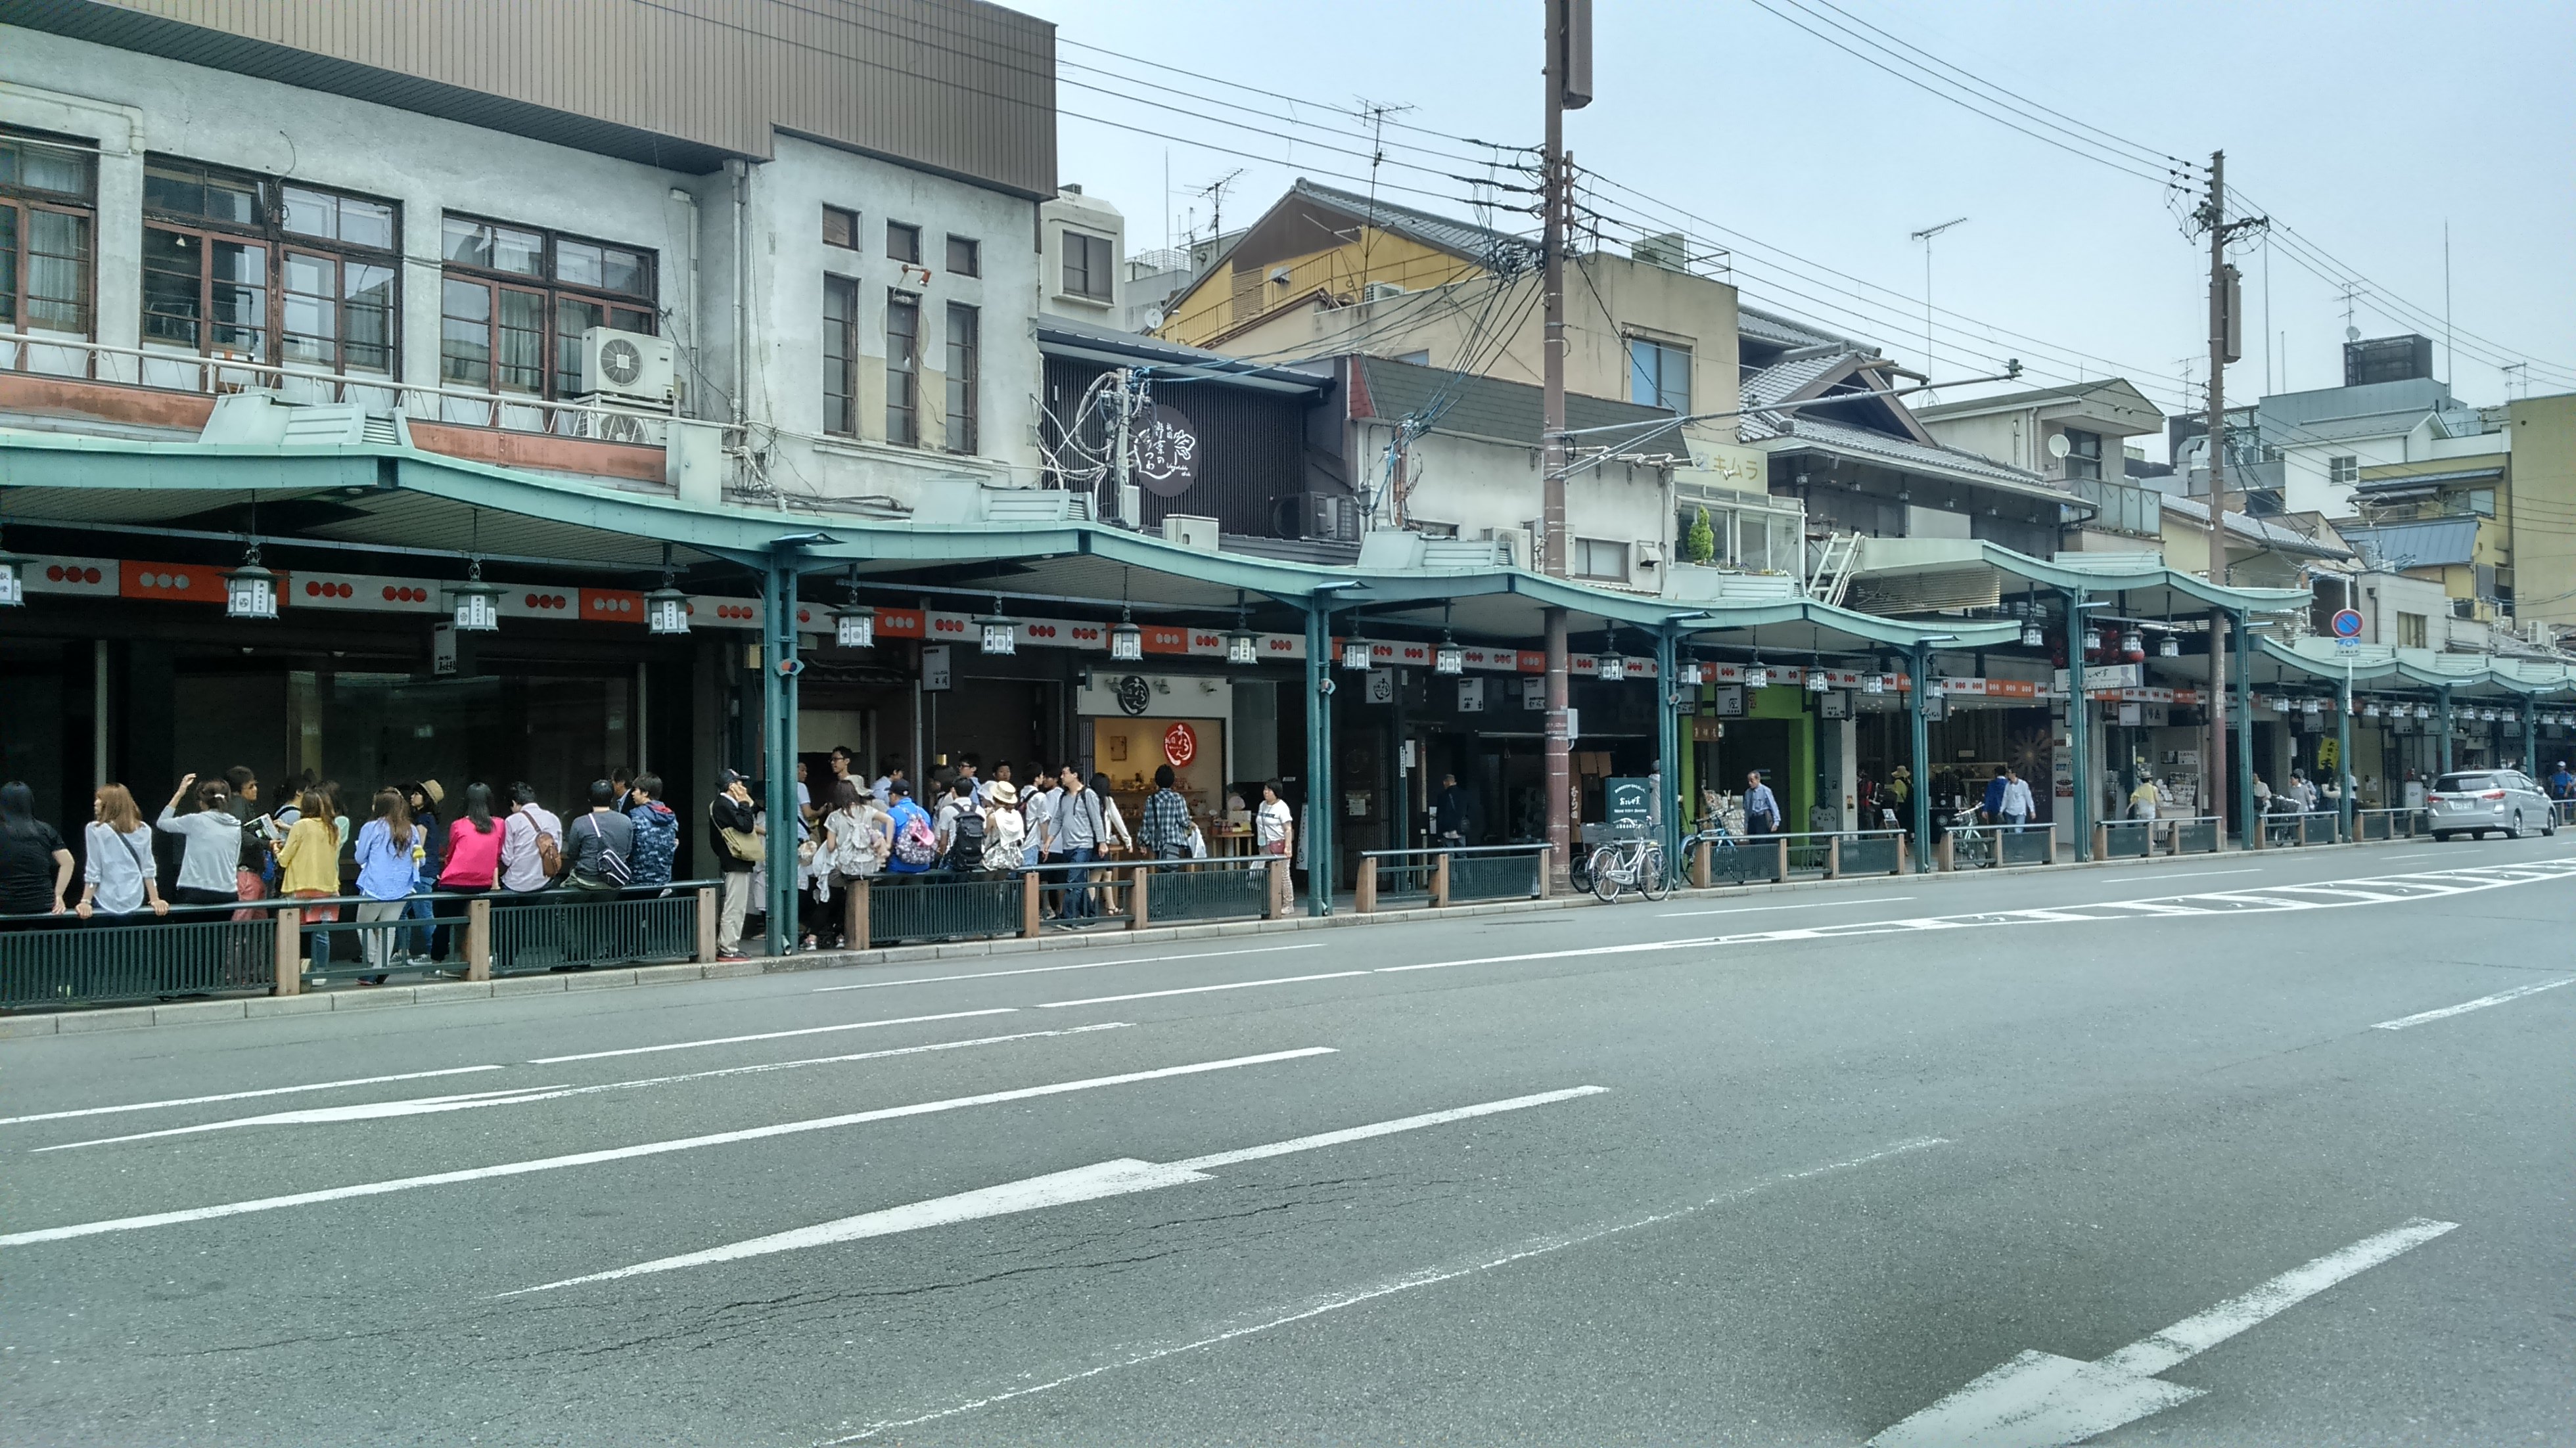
(1650, 555)
(633, 368)
(1518, 541)
(1381, 291)
(1190, 532)
(1332, 517)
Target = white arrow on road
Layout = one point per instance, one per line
(2041, 1400)
(1082, 1184)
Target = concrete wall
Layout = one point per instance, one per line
(1475, 486)
(2543, 434)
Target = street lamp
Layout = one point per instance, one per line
(1873, 684)
(1126, 641)
(250, 591)
(13, 579)
(1448, 658)
(2168, 647)
(1756, 676)
(1817, 683)
(998, 633)
(1608, 666)
(666, 610)
(478, 604)
(1357, 655)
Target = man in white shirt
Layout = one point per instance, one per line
(523, 866)
(1037, 806)
(2018, 805)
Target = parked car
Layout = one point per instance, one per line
(2474, 802)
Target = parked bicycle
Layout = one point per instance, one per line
(1636, 863)
(1970, 846)
(1725, 858)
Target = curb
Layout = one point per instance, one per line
(180, 1013)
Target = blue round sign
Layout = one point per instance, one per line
(2347, 624)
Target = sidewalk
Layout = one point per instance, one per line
(357, 998)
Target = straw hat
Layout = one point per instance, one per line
(1001, 792)
(431, 791)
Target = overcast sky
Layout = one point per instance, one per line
(2365, 126)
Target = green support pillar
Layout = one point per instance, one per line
(779, 667)
(1319, 759)
(2531, 736)
(1668, 751)
(2247, 826)
(2343, 757)
(1920, 796)
(2079, 715)
(2443, 697)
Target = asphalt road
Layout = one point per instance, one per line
(1970, 1161)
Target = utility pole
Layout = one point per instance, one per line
(1569, 87)
(2226, 322)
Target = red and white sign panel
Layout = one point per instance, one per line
(1180, 744)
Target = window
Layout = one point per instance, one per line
(1659, 374)
(1599, 558)
(1088, 261)
(903, 242)
(270, 270)
(48, 210)
(903, 369)
(515, 300)
(2410, 631)
(841, 356)
(2343, 470)
(2083, 454)
(965, 256)
(965, 342)
(840, 227)
(2482, 502)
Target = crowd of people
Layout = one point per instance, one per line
(959, 824)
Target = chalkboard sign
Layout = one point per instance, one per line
(1628, 803)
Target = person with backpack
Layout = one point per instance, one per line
(531, 843)
(1081, 831)
(601, 846)
(916, 842)
(1004, 834)
(733, 837)
(657, 832)
(117, 876)
(960, 828)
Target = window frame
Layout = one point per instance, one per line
(21, 201)
(962, 426)
(911, 231)
(850, 232)
(973, 252)
(1082, 242)
(841, 355)
(1663, 353)
(1581, 561)
(2343, 468)
(615, 308)
(2418, 626)
(903, 401)
(276, 241)
(2083, 450)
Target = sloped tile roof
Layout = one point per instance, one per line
(1499, 250)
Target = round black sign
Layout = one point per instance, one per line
(1135, 695)
(1163, 451)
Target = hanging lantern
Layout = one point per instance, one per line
(1817, 683)
(2370, 710)
(1357, 655)
(2280, 704)
(2133, 645)
(478, 604)
(13, 579)
(2168, 647)
(1693, 674)
(250, 591)
(2486, 716)
(1242, 647)
(2311, 706)
(1609, 667)
(2031, 637)
(1448, 658)
(1126, 641)
(2423, 711)
(1756, 676)
(1874, 684)
(666, 610)
(854, 625)
(997, 632)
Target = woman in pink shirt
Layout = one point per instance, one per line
(473, 863)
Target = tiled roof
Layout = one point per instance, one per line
(2273, 535)
(1780, 331)
(1496, 249)
(2430, 543)
(1898, 452)
(1781, 380)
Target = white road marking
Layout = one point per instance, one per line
(1146, 995)
(2191, 874)
(1082, 1184)
(640, 1149)
(1078, 965)
(1750, 909)
(2416, 855)
(2041, 1400)
(2464, 1007)
(521, 1096)
(1410, 1282)
(768, 1036)
(244, 1095)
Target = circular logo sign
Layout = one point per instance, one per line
(1180, 745)
(2347, 624)
(1135, 696)
(1163, 451)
